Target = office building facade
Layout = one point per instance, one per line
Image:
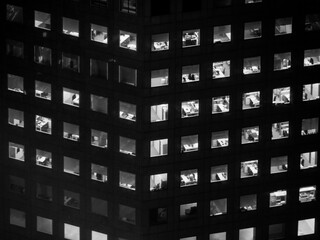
(147, 120)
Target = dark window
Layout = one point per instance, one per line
(158, 216)
(14, 13)
(222, 3)
(99, 3)
(15, 48)
(98, 68)
(191, 6)
(160, 7)
(44, 192)
(17, 185)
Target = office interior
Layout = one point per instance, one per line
(71, 131)
(159, 77)
(249, 169)
(188, 177)
(127, 146)
(158, 147)
(219, 173)
(189, 143)
(71, 165)
(99, 173)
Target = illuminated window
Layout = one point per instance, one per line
(17, 185)
(127, 180)
(310, 126)
(306, 226)
(70, 27)
(189, 143)
(281, 96)
(44, 225)
(188, 177)
(250, 135)
(71, 131)
(280, 130)
(43, 90)
(159, 113)
(159, 147)
(220, 104)
(308, 160)
(247, 233)
(279, 164)
(71, 97)
(127, 214)
(252, 30)
(249, 169)
(127, 111)
(99, 173)
(128, 40)
(282, 61)
(190, 74)
(160, 42)
(222, 34)
(71, 62)
(98, 236)
(278, 198)
(191, 38)
(307, 194)
(99, 33)
(71, 199)
(188, 210)
(283, 26)
(44, 192)
(248, 202)
(14, 13)
(218, 207)
(219, 173)
(221, 69)
(251, 100)
(43, 124)
(99, 206)
(43, 158)
(98, 68)
(190, 109)
(128, 75)
(158, 181)
(220, 139)
(42, 20)
(128, 6)
(311, 57)
(312, 22)
(99, 138)
(276, 231)
(17, 218)
(71, 232)
(311, 92)
(15, 48)
(99, 104)
(71, 166)
(16, 117)
(251, 65)
(127, 146)
(15, 83)
(158, 216)
(218, 236)
(159, 78)
(16, 151)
